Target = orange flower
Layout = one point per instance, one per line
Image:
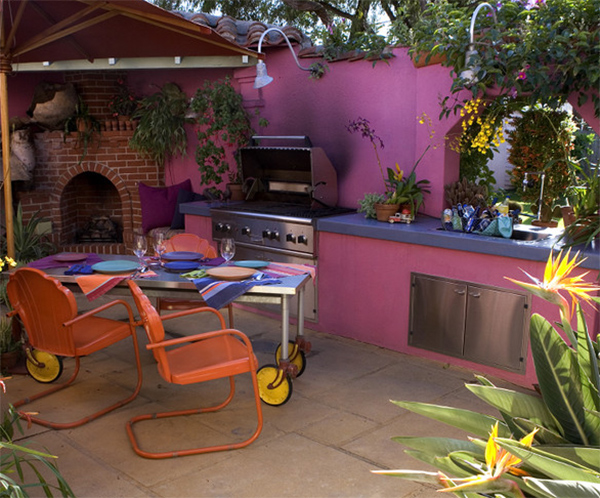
(557, 279)
(498, 462)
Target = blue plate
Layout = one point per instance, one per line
(252, 264)
(181, 266)
(115, 266)
(182, 256)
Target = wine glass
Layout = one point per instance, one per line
(140, 247)
(160, 246)
(227, 249)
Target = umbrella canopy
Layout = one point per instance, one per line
(42, 33)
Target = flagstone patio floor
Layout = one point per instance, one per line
(324, 442)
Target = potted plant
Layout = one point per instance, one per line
(160, 132)
(123, 103)
(582, 216)
(538, 140)
(10, 348)
(84, 125)
(399, 189)
(223, 128)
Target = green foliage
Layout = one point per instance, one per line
(160, 133)
(15, 459)
(542, 53)
(223, 124)
(584, 197)
(30, 244)
(367, 204)
(7, 342)
(474, 167)
(564, 459)
(84, 125)
(540, 141)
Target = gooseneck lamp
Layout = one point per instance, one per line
(262, 78)
(469, 75)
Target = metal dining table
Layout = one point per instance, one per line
(290, 361)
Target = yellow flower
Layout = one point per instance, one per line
(498, 462)
(557, 279)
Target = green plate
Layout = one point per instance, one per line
(116, 266)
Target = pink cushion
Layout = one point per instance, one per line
(158, 204)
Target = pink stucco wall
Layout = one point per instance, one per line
(370, 280)
(390, 95)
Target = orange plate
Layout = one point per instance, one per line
(69, 256)
(230, 272)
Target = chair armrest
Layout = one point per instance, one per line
(202, 337)
(99, 309)
(179, 314)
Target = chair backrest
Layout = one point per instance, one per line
(150, 320)
(43, 304)
(190, 242)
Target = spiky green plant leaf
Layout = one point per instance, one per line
(559, 379)
(586, 456)
(516, 404)
(473, 422)
(549, 465)
(436, 445)
(543, 435)
(572, 489)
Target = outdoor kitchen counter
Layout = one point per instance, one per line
(426, 231)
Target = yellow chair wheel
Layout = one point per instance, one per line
(299, 359)
(50, 371)
(274, 385)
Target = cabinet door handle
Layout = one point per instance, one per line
(460, 292)
(474, 294)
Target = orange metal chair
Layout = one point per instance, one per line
(193, 243)
(48, 311)
(198, 358)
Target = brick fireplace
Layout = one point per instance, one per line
(70, 191)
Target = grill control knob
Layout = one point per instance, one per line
(290, 237)
(266, 234)
(274, 235)
(245, 230)
(223, 227)
(302, 239)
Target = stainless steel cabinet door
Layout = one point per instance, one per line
(495, 326)
(437, 315)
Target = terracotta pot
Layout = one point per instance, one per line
(384, 211)
(10, 359)
(434, 59)
(235, 190)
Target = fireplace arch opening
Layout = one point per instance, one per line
(91, 210)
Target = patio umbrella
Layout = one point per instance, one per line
(50, 31)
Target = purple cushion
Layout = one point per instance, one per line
(158, 204)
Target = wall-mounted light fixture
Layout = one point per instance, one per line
(262, 78)
(112, 61)
(177, 60)
(469, 75)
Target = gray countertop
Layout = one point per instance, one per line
(426, 231)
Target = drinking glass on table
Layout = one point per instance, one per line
(140, 247)
(160, 245)
(227, 249)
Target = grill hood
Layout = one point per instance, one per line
(288, 169)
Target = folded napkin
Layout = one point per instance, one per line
(96, 285)
(50, 262)
(290, 270)
(220, 293)
(79, 269)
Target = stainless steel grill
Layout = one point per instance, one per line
(288, 185)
